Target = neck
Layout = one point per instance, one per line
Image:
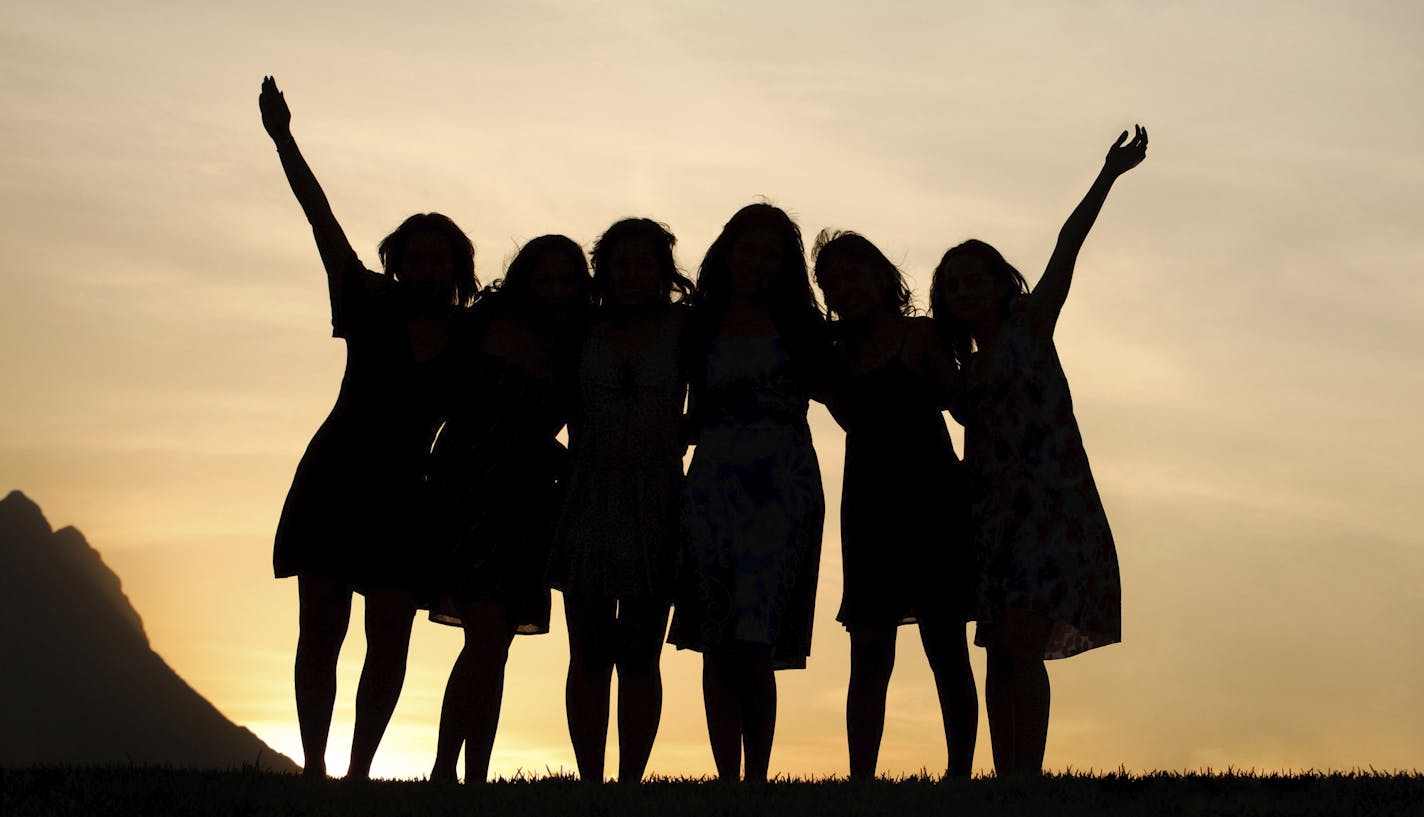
(985, 330)
(869, 325)
(622, 314)
(419, 304)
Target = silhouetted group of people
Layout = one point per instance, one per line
(438, 481)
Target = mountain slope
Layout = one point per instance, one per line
(79, 683)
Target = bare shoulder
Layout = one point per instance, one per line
(925, 350)
(367, 278)
(348, 275)
(507, 335)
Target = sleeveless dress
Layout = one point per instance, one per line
(752, 509)
(618, 530)
(906, 547)
(1045, 542)
(494, 475)
(357, 509)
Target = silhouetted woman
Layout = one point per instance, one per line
(354, 518)
(905, 540)
(752, 506)
(1049, 585)
(617, 537)
(494, 473)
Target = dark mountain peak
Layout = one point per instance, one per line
(80, 684)
(94, 579)
(19, 515)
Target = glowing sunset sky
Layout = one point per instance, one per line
(1243, 339)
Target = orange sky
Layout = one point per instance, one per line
(1243, 336)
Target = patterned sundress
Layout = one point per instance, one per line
(1044, 541)
(617, 535)
(752, 509)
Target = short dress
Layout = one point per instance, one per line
(357, 509)
(617, 535)
(495, 479)
(906, 546)
(752, 509)
(1043, 534)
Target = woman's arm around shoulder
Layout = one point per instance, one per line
(925, 355)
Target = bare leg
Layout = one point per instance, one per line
(757, 691)
(450, 738)
(1017, 693)
(389, 616)
(325, 613)
(947, 649)
(724, 713)
(872, 659)
(591, 654)
(488, 634)
(642, 625)
(470, 714)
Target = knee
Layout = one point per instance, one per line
(320, 637)
(877, 674)
(388, 637)
(639, 656)
(948, 660)
(1011, 660)
(318, 649)
(872, 659)
(591, 654)
(591, 662)
(486, 645)
(638, 664)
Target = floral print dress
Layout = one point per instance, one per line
(618, 530)
(1044, 541)
(752, 509)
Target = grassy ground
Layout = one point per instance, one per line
(147, 791)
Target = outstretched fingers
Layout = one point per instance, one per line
(1126, 153)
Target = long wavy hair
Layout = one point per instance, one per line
(462, 252)
(674, 285)
(790, 291)
(837, 245)
(794, 310)
(957, 337)
(514, 293)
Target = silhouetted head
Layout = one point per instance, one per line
(547, 281)
(972, 283)
(757, 257)
(633, 266)
(433, 258)
(856, 278)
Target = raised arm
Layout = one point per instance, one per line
(1052, 289)
(336, 252)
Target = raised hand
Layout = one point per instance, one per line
(1124, 155)
(1052, 288)
(276, 117)
(336, 252)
